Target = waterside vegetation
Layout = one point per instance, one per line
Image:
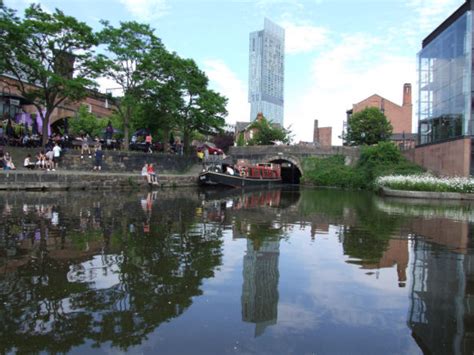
(375, 161)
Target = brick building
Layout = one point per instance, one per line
(14, 105)
(400, 117)
(322, 135)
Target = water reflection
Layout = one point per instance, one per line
(145, 271)
(97, 277)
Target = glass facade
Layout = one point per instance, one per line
(445, 83)
(266, 72)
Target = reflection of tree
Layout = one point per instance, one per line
(366, 230)
(158, 275)
(368, 238)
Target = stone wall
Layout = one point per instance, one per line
(299, 150)
(42, 180)
(452, 158)
(121, 161)
(114, 161)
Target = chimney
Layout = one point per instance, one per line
(406, 95)
(315, 132)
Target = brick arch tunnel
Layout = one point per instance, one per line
(290, 169)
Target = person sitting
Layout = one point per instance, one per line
(49, 161)
(229, 170)
(27, 163)
(40, 160)
(144, 172)
(8, 162)
(25, 140)
(152, 178)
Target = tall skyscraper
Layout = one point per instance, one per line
(266, 72)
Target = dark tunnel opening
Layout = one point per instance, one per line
(290, 173)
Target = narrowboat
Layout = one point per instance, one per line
(267, 174)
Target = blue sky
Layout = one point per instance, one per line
(338, 52)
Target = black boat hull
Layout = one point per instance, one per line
(210, 178)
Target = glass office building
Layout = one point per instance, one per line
(445, 80)
(266, 72)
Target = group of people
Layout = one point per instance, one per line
(149, 173)
(48, 160)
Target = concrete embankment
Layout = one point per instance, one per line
(77, 180)
(426, 194)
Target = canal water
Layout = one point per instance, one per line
(292, 271)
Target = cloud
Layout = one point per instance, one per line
(303, 38)
(344, 75)
(225, 81)
(430, 13)
(146, 10)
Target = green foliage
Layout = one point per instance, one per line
(84, 122)
(368, 127)
(203, 110)
(384, 159)
(267, 134)
(240, 140)
(40, 48)
(129, 47)
(331, 171)
(375, 161)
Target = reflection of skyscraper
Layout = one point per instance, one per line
(266, 72)
(260, 287)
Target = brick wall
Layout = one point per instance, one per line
(325, 136)
(399, 116)
(450, 158)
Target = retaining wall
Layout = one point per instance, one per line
(41, 180)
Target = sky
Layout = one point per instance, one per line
(337, 52)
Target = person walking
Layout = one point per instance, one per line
(98, 155)
(85, 145)
(148, 141)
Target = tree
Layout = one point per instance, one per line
(51, 57)
(160, 93)
(368, 127)
(240, 139)
(128, 46)
(85, 122)
(203, 110)
(267, 134)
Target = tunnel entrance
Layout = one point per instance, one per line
(290, 173)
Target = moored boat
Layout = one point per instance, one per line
(267, 174)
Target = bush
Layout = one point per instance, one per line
(378, 160)
(384, 159)
(330, 171)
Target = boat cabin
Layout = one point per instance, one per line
(260, 171)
